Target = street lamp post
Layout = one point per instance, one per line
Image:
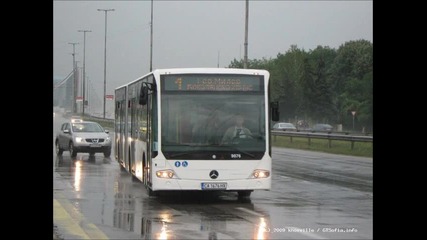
(84, 67)
(151, 38)
(74, 78)
(245, 60)
(353, 113)
(105, 56)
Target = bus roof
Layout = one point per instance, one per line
(162, 71)
(208, 70)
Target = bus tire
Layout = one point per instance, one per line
(244, 194)
(134, 178)
(151, 193)
(123, 169)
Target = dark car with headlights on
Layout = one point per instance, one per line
(83, 136)
(322, 127)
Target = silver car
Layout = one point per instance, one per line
(83, 136)
(284, 126)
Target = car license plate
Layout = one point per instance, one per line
(95, 145)
(214, 186)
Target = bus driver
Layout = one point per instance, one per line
(236, 131)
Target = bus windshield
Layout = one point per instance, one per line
(202, 125)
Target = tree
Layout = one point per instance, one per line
(316, 84)
(323, 84)
(352, 82)
(285, 77)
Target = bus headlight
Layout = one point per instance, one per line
(260, 173)
(165, 174)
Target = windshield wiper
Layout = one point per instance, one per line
(179, 154)
(191, 145)
(176, 144)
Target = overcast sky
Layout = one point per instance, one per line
(195, 33)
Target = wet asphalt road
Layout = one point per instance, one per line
(313, 196)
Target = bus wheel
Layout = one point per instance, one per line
(244, 194)
(134, 178)
(123, 169)
(150, 192)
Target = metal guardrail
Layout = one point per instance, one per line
(328, 136)
(106, 122)
(343, 136)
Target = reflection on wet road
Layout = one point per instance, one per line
(297, 207)
(313, 196)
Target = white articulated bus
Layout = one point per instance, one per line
(170, 128)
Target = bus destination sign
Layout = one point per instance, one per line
(241, 83)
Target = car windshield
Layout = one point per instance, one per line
(86, 127)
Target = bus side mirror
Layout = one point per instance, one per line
(275, 111)
(143, 96)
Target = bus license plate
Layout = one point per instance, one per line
(214, 186)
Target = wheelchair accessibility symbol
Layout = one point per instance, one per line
(178, 164)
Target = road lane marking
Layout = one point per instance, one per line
(66, 217)
(64, 220)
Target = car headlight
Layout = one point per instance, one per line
(79, 139)
(261, 173)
